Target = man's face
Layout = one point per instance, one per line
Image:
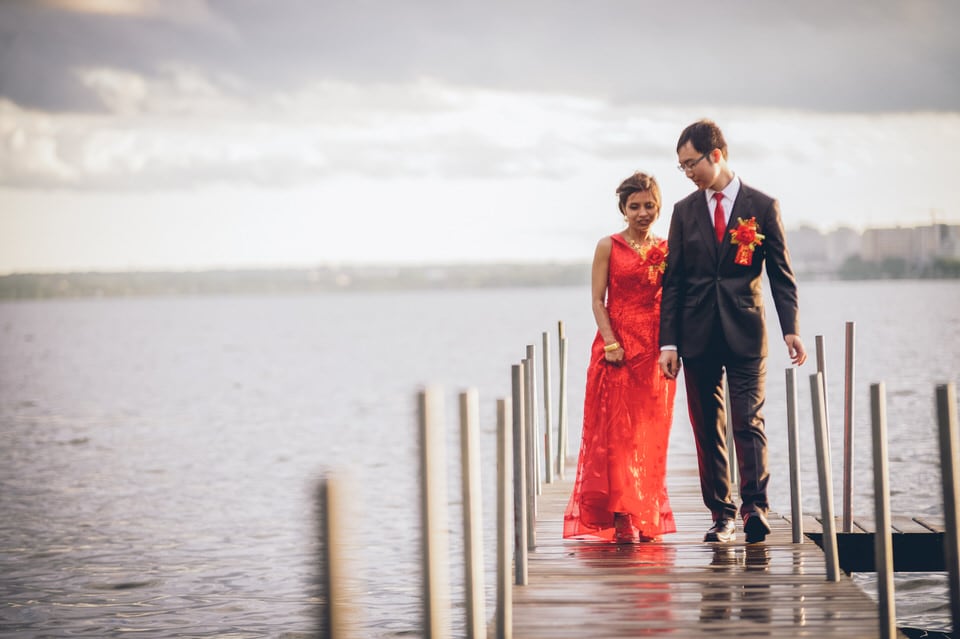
(699, 167)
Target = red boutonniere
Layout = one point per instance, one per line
(746, 237)
(656, 257)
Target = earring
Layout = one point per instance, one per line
(626, 220)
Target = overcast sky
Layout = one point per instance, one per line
(171, 134)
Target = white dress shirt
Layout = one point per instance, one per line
(729, 197)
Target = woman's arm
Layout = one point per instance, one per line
(598, 288)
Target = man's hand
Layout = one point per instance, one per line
(798, 355)
(669, 363)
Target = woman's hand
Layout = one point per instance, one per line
(615, 356)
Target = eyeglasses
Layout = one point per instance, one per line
(689, 164)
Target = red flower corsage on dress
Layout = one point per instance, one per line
(656, 257)
(746, 237)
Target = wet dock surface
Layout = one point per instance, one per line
(682, 587)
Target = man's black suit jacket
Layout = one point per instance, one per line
(703, 286)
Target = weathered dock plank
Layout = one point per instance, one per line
(866, 524)
(933, 524)
(917, 543)
(682, 587)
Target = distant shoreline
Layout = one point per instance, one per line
(23, 286)
(300, 280)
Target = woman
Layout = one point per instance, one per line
(620, 492)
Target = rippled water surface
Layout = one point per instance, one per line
(160, 456)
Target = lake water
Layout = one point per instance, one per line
(160, 455)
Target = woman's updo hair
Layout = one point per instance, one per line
(638, 182)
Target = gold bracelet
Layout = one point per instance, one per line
(609, 348)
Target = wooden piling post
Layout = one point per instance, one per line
(433, 508)
(946, 395)
(504, 614)
(824, 477)
(882, 540)
(548, 465)
(472, 515)
(793, 440)
(562, 406)
(848, 406)
(531, 455)
(822, 369)
(533, 426)
(519, 477)
(335, 615)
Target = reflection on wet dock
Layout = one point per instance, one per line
(682, 587)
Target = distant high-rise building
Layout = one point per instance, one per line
(842, 244)
(808, 250)
(813, 252)
(917, 246)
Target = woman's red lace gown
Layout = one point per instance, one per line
(628, 410)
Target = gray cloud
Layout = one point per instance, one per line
(197, 92)
(820, 55)
(321, 133)
(447, 156)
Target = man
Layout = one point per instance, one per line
(712, 317)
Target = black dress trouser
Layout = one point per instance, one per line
(746, 377)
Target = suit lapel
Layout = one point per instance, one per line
(740, 205)
(704, 223)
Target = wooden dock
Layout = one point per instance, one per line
(917, 544)
(682, 587)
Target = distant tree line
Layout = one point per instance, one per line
(361, 278)
(291, 281)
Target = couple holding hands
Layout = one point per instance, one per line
(695, 297)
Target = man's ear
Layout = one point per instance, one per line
(716, 155)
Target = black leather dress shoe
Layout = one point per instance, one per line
(756, 527)
(723, 530)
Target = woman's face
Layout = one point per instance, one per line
(641, 209)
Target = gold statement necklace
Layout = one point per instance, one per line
(640, 248)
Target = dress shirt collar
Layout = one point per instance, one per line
(729, 192)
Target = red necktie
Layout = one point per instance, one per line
(719, 217)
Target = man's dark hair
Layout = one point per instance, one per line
(705, 136)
